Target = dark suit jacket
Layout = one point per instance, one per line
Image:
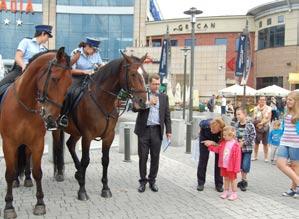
(164, 114)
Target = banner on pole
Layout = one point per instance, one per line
(163, 68)
(240, 62)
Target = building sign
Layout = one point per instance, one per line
(198, 27)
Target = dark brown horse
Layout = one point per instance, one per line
(96, 116)
(35, 97)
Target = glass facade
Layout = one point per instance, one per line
(12, 34)
(271, 37)
(220, 41)
(114, 31)
(96, 2)
(267, 81)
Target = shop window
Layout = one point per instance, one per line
(271, 37)
(268, 81)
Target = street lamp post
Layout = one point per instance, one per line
(185, 50)
(192, 12)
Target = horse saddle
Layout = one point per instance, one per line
(75, 92)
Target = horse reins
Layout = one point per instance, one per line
(128, 91)
(44, 98)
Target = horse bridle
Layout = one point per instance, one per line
(127, 90)
(43, 98)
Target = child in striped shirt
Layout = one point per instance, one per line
(289, 144)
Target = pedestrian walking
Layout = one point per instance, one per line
(246, 137)
(289, 144)
(210, 131)
(274, 139)
(229, 161)
(223, 105)
(149, 129)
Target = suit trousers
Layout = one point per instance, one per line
(202, 167)
(149, 142)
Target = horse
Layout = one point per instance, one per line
(34, 98)
(96, 116)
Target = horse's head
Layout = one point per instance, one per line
(53, 82)
(132, 80)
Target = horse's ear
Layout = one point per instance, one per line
(60, 54)
(143, 58)
(126, 57)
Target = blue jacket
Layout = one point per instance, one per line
(275, 136)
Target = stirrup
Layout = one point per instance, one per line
(63, 121)
(51, 126)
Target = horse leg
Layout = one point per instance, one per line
(10, 173)
(71, 144)
(106, 193)
(20, 165)
(58, 155)
(28, 180)
(40, 208)
(80, 174)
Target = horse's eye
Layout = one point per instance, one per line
(134, 74)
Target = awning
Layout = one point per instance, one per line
(294, 78)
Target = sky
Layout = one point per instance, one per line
(175, 8)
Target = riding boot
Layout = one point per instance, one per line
(63, 119)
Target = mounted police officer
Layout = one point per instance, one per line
(86, 59)
(27, 48)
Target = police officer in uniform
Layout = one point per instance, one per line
(86, 59)
(27, 48)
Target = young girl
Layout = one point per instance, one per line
(229, 161)
(289, 144)
(274, 139)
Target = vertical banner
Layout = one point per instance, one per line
(13, 6)
(240, 63)
(163, 68)
(29, 7)
(3, 5)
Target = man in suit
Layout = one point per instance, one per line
(149, 129)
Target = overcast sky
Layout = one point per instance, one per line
(175, 8)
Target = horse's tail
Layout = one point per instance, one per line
(21, 160)
(58, 150)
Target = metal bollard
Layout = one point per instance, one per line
(127, 151)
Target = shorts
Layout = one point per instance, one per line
(246, 161)
(288, 153)
(261, 136)
(231, 175)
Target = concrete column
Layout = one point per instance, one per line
(140, 16)
(49, 17)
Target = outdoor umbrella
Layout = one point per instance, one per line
(273, 90)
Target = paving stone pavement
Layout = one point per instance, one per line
(177, 197)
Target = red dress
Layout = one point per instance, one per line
(234, 159)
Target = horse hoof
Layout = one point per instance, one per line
(82, 196)
(106, 193)
(28, 183)
(9, 213)
(59, 177)
(39, 210)
(16, 184)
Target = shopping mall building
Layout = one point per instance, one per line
(134, 25)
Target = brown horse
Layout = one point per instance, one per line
(35, 97)
(96, 116)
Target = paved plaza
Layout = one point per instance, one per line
(177, 197)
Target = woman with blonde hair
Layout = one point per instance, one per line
(289, 144)
(210, 134)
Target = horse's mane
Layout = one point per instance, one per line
(68, 59)
(110, 69)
